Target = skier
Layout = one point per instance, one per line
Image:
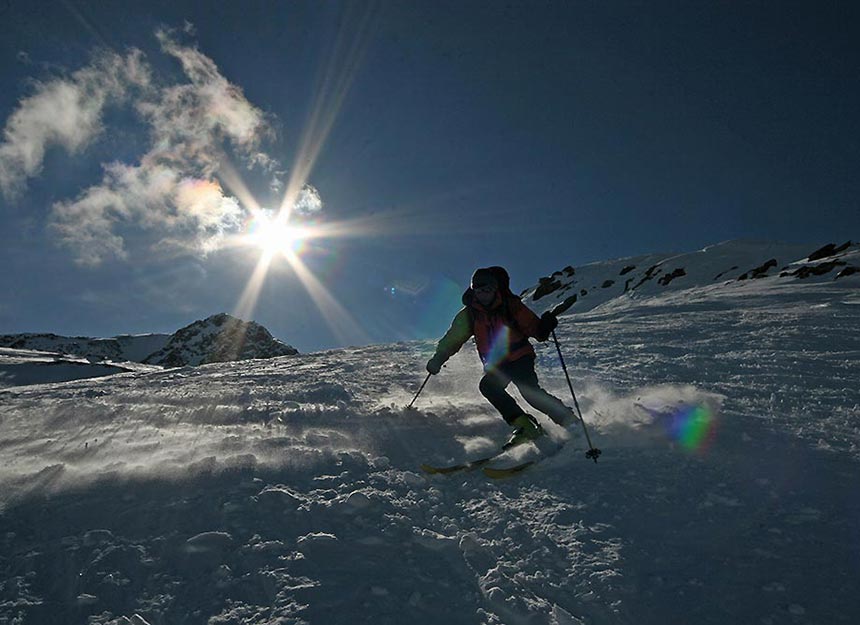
(502, 325)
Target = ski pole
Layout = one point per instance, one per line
(427, 379)
(593, 452)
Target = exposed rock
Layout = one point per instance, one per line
(815, 270)
(567, 303)
(667, 278)
(760, 271)
(627, 269)
(219, 338)
(849, 270)
(607, 283)
(722, 273)
(545, 287)
(828, 250)
(649, 275)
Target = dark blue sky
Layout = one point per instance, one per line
(533, 135)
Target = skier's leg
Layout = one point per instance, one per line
(523, 374)
(493, 386)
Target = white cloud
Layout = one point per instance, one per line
(208, 108)
(309, 202)
(171, 193)
(66, 112)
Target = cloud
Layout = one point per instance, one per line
(189, 214)
(208, 109)
(66, 112)
(309, 202)
(171, 194)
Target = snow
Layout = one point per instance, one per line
(288, 490)
(119, 348)
(218, 338)
(21, 367)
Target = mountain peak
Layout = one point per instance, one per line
(219, 338)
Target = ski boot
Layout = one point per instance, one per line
(526, 429)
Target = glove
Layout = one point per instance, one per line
(434, 365)
(548, 323)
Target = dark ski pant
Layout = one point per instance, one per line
(522, 373)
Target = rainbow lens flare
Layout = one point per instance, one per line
(499, 347)
(693, 427)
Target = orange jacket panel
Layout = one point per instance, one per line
(500, 335)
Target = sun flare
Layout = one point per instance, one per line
(272, 234)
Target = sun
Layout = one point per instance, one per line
(271, 234)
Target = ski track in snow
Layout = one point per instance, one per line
(288, 490)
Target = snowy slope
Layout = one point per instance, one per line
(47, 358)
(20, 367)
(95, 348)
(288, 490)
(584, 288)
(124, 348)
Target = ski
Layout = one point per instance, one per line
(466, 466)
(497, 473)
(500, 473)
(462, 467)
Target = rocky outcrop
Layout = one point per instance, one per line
(668, 277)
(545, 287)
(219, 338)
(828, 250)
(760, 271)
(814, 270)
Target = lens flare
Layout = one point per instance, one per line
(499, 346)
(693, 427)
(274, 234)
(441, 301)
(282, 234)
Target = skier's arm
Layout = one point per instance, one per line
(459, 332)
(534, 326)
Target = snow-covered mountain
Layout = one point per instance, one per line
(289, 490)
(48, 358)
(580, 289)
(124, 348)
(21, 367)
(219, 338)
